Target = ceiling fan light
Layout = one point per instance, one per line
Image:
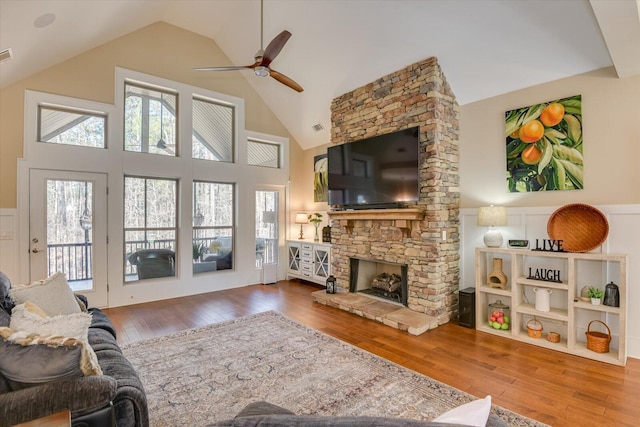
(261, 71)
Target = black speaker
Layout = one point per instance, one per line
(467, 308)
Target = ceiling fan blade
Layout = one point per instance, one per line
(285, 80)
(229, 68)
(275, 47)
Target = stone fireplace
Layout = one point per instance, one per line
(423, 236)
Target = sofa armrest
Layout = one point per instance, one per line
(80, 395)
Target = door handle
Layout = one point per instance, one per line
(35, 250)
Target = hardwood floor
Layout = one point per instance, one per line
(549, 386)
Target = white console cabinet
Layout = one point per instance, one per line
(568, 314)
(309, 260)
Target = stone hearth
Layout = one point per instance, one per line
(387, 313)
(424, 236)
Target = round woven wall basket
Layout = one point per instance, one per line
(582, 228)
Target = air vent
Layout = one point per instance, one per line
(6, 55)
(318, 127)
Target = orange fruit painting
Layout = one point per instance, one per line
(544, 146)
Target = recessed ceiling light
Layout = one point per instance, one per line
(44, 20)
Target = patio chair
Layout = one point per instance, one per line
(154, 263)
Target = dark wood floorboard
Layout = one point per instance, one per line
(549, 386)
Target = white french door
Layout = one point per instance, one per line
(68, 230)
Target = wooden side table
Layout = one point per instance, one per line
(60, 419)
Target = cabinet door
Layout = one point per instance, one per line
(321, 263)
(294, 257)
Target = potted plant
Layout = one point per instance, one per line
(315, 219)
(198, 251)
(595, 294)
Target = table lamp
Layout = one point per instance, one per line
(492, 216)
(301, 219)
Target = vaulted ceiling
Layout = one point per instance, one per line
(485, 47)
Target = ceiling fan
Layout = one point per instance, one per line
(263, 58)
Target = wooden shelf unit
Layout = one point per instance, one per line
(567, 311)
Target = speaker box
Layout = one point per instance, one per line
(467, 308)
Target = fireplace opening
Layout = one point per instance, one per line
(380, 279)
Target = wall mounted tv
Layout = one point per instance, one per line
(377, 172)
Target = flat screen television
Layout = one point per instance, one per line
(377, 172)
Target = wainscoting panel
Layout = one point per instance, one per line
(9, 243)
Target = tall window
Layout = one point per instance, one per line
(213, 226)
(71, 127)
(150, 120)
(150, 227)
(212, 131)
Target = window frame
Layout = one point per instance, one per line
(146, 116)
(232, 227)
(72, 110)
(264, 142)
(145, 229)
(234, 128)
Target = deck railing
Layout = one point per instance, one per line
(75, 259)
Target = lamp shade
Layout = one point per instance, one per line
(492, 216)
(301, 218)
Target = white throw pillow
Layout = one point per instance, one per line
(24, 318)
(474, 413)
(52, 294)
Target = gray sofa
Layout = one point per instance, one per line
(117, 395)
(264, 414)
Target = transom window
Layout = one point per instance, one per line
(213, 135)
(262, 153)
(150, 227)
(71, 127)
(150, 120)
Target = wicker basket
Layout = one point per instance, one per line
(534, 328)
(582, 228)
(553, 337)
(598, 341)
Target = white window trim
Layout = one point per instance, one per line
(117, 163)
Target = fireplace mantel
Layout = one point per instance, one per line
(401, 217)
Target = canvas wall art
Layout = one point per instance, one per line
(320, 178)
(544, 146)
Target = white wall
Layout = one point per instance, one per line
(531, 224)
(610, 112)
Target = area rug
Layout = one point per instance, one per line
(209, 374)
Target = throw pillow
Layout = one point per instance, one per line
(5, 285)
(29, 318)
(29, 359)
(474, 413)
(32, 308)
(52, 294)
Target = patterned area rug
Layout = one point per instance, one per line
(208, 374)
